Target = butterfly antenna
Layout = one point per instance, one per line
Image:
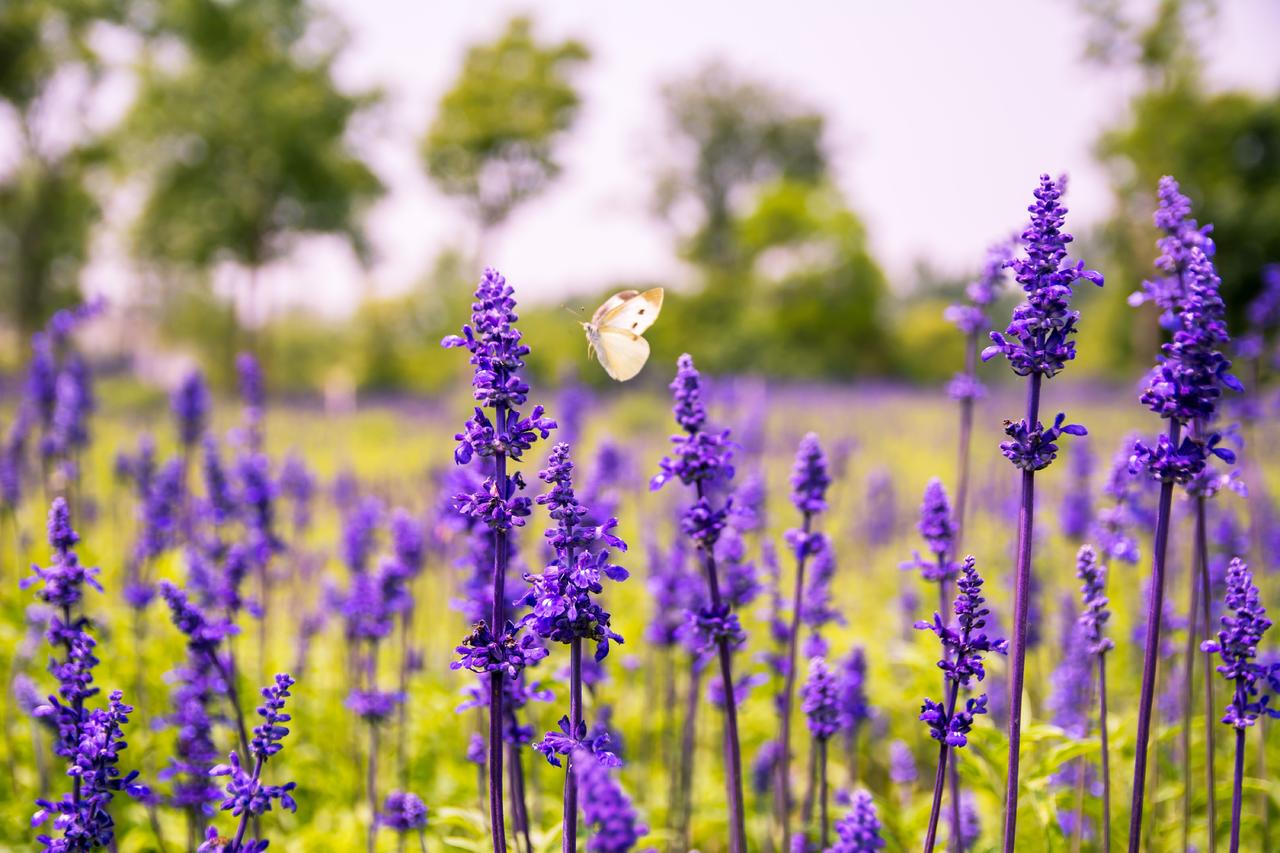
(578, 313)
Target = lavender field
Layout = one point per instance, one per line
(666, 427)
(239, 619)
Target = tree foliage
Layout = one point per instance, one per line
(47, 211)
(493, 141)
(243, 142)
(730, 135)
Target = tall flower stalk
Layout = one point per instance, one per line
(1183, 388)
(703, 459)
(493, 647)
(939, 530)
(820, 701)
(564, 611)
(809, 483)
(963, 646)
(1237, 646)
(1038, 344)
(965, 388)
(1093, 620)
(89, 739)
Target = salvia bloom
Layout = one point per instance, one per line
(246, 795)
(809, 477)
(1077, 501)
(1113, 524)
(190, 404)
(859, 830)
(851, 688)
(1180, 234)
(360, 531)
(938, 529)
(1039, 338)
(880, 515)
(606, 808)
(84, 819)
(90, 740)
(698, 456)
(561, 596)
(964, 645)
(403, 812)
(902, 764)
(1237, 645)
(1096, 613)
(820, 700)
(298, 485)
(498, 355)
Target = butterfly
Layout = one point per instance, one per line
(614, 333)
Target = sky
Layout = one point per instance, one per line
(940, 118)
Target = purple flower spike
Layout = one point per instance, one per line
(859, 831)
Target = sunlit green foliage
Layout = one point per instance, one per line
(493, 141)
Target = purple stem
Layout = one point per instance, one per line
(688, 748)
(228, 678)
(1026, 518)
(1237, 788)
(1188, 697)
(371, 780)
(782, 786)
(823, 819)
(497, 820)
(939, 778)
(77, 703)
(953, 766)
(1202, 559)
(570, 815)
(1151, 652)
(1106, 757)
(244, 816)
(733, 752)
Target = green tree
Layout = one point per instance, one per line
(48, 72)
(243, 143)
(1223, 147)
(493, 141)
(729, 136)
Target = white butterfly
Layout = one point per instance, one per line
(615, 329)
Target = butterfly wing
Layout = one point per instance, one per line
(622, 353)
(634, 313)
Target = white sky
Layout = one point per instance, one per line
(941, 117)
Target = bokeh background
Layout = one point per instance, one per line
(320, 181)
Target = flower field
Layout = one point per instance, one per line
(432, 626)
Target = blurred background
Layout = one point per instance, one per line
(322, 182)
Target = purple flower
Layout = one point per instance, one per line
(938, 529)
(1070, 681)
(84, 819)
(606, 809)
(859, 830)
(497, 354)
(359, 533)
(902, 764)
(820, 700)
(1043, 326)
(575, 743)
(562, 596)
(1180, 235)
(403, 812)
(809, 477)
(964, 645)
(1077, 501)
(247, 796)
(373, 706)
(698, 456)
(1034, 449)
(407, 541)
(190, 404)
(851, 690)
(1112, 524)
(1237, 645)
(298, 484)
(880, 508)
(1094, 618)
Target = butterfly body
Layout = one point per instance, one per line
(615, 331)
